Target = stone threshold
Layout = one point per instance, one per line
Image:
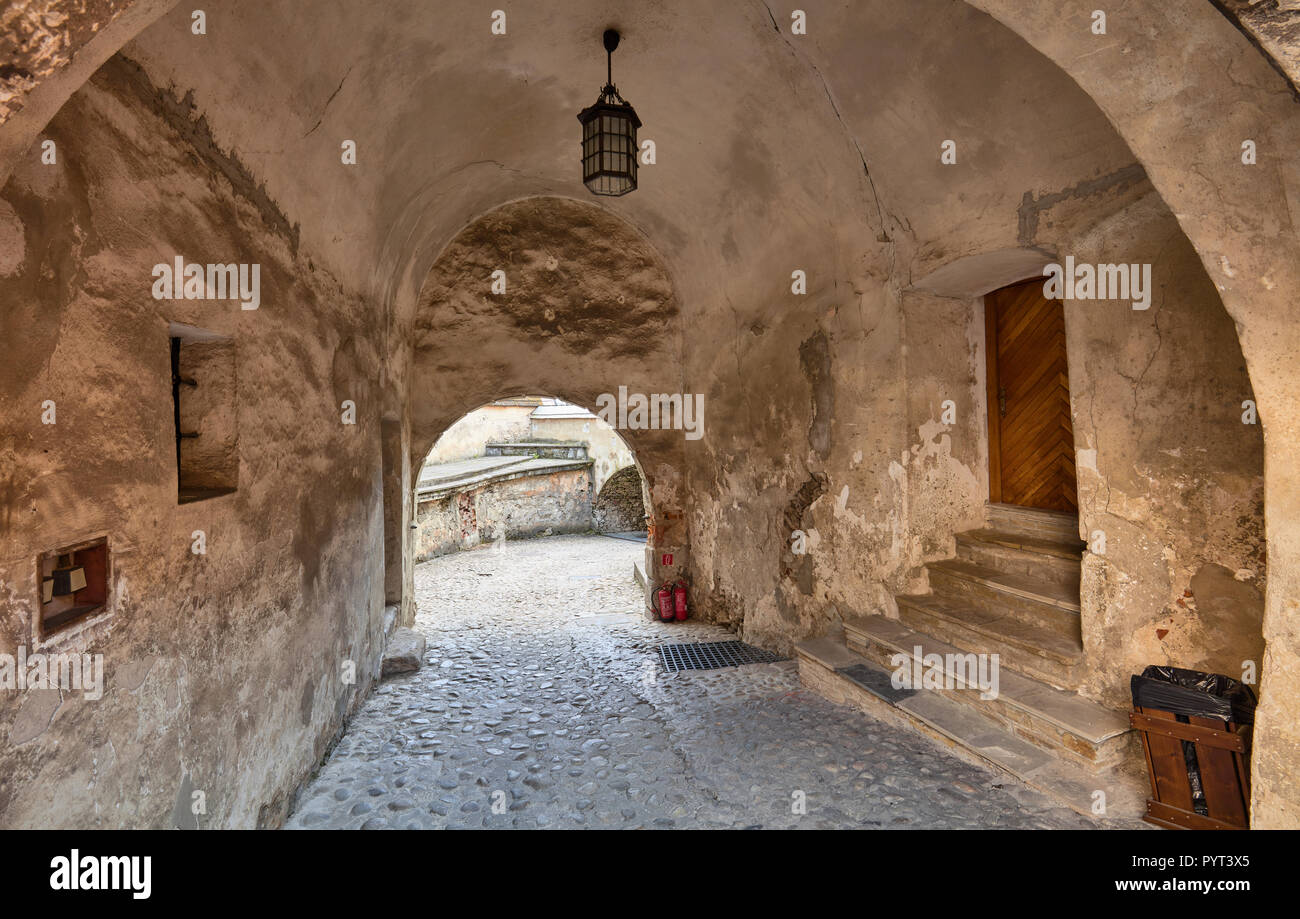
(1032, 521)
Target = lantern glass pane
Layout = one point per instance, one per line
(609, 150)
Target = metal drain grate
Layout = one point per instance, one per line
(711, 655)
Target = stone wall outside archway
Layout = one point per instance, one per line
(620, 507)
(641, 518)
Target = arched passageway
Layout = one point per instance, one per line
(802, 258)
(524, 467)
(587, 311)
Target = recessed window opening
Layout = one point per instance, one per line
(203, 413)
(74, 585)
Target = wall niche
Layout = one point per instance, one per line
(203, 410)
(74, 585)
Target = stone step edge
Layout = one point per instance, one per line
(990, 578)
(991, 536)
(1051, 778)
(927, 605)
(901, 639)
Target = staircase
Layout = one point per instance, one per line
(1013, 591)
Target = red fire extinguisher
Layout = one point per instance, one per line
(679, 600)
(664, 597)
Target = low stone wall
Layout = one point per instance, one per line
(514, 506)
(548, 449)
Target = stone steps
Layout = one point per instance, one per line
(832, 670)
(1075, 728)
(1041, 603)
(1037, 652)
(1048, 560)
(1012, 591)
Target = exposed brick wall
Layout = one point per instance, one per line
(620, 506)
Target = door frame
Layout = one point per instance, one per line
(991, 383)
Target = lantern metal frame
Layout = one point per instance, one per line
(609, 144)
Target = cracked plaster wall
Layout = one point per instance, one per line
(1167, 469)
(225, 667)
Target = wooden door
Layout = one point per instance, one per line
(1031, 437)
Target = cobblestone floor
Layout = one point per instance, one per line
(540, 705)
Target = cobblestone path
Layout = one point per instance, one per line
(540, 705)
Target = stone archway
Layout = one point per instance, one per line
(586, 308)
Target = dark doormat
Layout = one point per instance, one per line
(711, 655)
(878, 682)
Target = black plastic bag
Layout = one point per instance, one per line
(1193, 693)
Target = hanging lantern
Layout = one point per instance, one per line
(609, 149)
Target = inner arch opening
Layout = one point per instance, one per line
(527, 467)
